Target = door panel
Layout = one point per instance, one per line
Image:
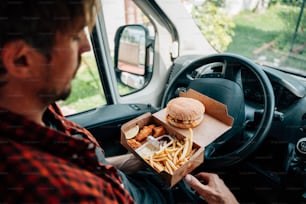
(105, 123)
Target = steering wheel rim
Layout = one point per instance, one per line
(263, 128)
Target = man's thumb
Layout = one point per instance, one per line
(194, 183)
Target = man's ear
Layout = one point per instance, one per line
(16, 58)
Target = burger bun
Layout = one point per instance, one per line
(185, 112)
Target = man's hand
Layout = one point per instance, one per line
(211, 188)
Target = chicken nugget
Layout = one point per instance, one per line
(144, 133)
(158, 131)
(133, 143)
(151, 126)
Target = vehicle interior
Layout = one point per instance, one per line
(262, 158)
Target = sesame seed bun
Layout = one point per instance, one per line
(185, 112)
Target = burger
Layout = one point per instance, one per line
(185, 112)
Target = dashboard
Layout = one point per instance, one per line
(253, 92)
(287, 89)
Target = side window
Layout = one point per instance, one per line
(132, 73)
(87, 92)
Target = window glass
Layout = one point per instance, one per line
(87, 92)
(271, 32)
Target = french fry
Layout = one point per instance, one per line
(190, 141)
(159, 159)
(168, 144)
(186, 147)
(171, 164)
(168, 167)
(158, 166)
(191, 153)
(173, 155)
(175, 158)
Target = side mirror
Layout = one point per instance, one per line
(133, 56)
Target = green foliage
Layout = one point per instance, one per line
(86, 87)
(289, 2)
(277, 24)
(124, 89)
(290, 14)
(215, 24)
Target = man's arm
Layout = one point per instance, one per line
(127, 163)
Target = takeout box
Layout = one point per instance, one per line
(216, 121)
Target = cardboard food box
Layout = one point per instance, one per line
(216, 121)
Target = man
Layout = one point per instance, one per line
(44, 157)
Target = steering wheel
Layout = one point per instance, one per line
(224, 83)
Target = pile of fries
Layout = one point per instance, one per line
(172, 155)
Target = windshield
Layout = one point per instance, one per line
(271, 32)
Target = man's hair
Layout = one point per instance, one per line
(37, 21)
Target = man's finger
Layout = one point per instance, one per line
(194, 183)
(204, 176)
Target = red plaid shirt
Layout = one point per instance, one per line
(42, 165)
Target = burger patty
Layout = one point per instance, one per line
(182, 121)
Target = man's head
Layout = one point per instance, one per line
(36, 21)
(41, 42)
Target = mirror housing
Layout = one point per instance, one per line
(133, 56)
